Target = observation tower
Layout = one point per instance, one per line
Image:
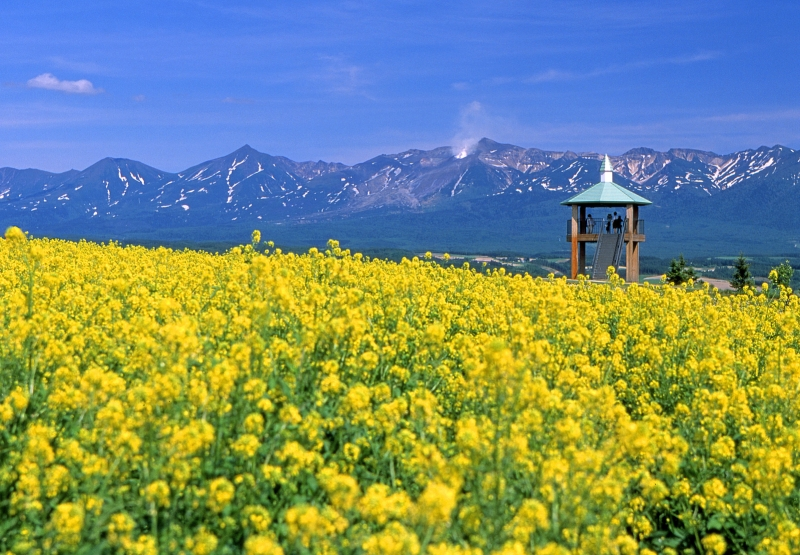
(607, 214)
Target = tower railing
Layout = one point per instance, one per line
(591, 227)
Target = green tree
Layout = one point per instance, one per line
(679, 272)
(781, 275)
(741, 274)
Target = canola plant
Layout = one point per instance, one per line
(161, 401)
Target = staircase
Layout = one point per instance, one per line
(608, 253)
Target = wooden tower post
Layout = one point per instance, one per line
(574, 238)
(632, 244)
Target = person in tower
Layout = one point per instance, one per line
(617, 223)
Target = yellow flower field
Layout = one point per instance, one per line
(160, 401)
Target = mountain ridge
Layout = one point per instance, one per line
(118, 196)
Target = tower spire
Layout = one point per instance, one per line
(606, 172)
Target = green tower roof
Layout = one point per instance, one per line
(606, 194)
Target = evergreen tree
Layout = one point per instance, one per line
(741, 274)
(679, 272)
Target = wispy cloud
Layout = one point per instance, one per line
(51, 82)
(44, 114)
(551, 75)
(776, 115)
(343, 76)
(82, 67)
(234, 100)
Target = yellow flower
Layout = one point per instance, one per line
(256, 517)
(254, 423)
(714, 544)
(351, 452)
(380, 506)
(436, 504)
(202, 542)
(246, 446)
(331, 384)
(158, 493)
(56, 480)
(531, 517)
(290, 415)
(342, 489)
(67, 521)
(434, 333)
(307, 524)
(394, 540)
(724, 449)
(262, 545)
(297, 458)
(119, 528)
(357, 399)
(445, 549)
(15, 235)
(220, 494)
(18, 399)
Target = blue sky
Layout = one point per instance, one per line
(173, 83)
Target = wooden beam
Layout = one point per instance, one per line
(574, 227)
(581, 245)
(632, 271)
(631, 245)
(592, 238)
(582, 219)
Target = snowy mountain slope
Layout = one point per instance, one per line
(18, 184)
(250, 186)
(245, 182)
(96, 191)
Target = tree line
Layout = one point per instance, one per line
(681, 272)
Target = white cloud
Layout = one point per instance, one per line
(53, 83)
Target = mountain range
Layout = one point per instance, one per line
(492, 196)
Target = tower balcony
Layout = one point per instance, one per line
(588, 230)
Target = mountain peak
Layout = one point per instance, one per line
(639, 151)
(109, 162)
(244, 149)
(489, 144)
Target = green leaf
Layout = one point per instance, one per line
(716, 522)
